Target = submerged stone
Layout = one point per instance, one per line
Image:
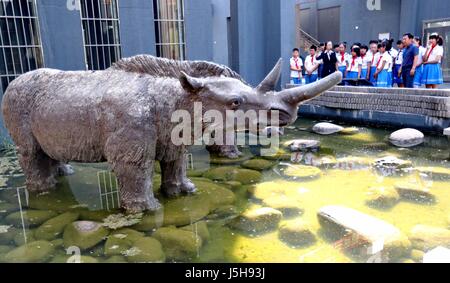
(7, 208)
(117, 221)
(7, 234)
(349, 131)
(436, 173)
(392, 162)
(414, 192)
(382, 197)
(84, 234)
(407, 138)
(257, 220)
(94, 215)
(425, 237)
(258, 164)
(32, 218)
(116, 259)
(326, 128)
(200, 228)
(303, 145)
(229, 161)
(302, 172)
(226, 211)
(54, 227)
(145, 250)
(121, 240)
(296, 233)
(288, 206)
(33, 252)
(223, 174)
(19, 238)
(353, 163)
(364, 231)
(178, 244)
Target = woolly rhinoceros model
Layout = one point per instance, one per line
(123, 116)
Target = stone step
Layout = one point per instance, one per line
(370, 232)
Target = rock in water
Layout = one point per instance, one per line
(32, 218)
(200, 228)
(34, 252)
(303, 145)
(414, 192)
(288, 206)
(326, 128)
(257, 220)
(425, 237)
(302, 172)
(258, 164)
(146, 250)
(407, 138)
(120, 241)
(84, 234)
(223, 174)
(382, 197)
(54, 227)
(296, 233)
(178, 244)
(365, 231)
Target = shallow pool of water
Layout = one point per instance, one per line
(269, 213)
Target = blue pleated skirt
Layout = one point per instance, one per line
(363, 74)
(342, 70)
(390, 79)
(373, 70)
(432, 74)
(397, 80)
(383, 80)
(352, 75)
(418, 76)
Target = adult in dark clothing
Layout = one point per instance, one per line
(329, 60)
(410, 60)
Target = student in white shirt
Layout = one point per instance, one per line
(374, 56)
(296, 67)
(355, 67)
(311, 66)
(343, 59)
(419, 69)
(365, 58)
(398, 61)
(381, 75)
(432, 72)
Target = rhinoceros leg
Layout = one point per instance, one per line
(174, 180)
(131, 153)
(40, 170)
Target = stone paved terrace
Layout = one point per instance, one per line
(427, 110)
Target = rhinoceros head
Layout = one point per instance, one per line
(223, 93)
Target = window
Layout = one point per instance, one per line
(169, 28)
(20, 41)
(100, 22)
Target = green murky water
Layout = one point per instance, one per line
(223, 221)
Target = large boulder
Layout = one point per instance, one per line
(121, 240)
(296, 233)
(363, 231)
(33, 252)
(32, 218)
(425, 237)
(258, 164)
(84, 234)
(178, 244)
(257, 220)
(53, 228)
(407, 138)
(326, 129)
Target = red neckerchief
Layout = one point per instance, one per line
(373, 59)
(296, 62)
(379, 60)
(342, 56)
(353, 62)
(429, 53)
(312, 59)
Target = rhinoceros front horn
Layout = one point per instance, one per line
(299, 94)
(270, 82)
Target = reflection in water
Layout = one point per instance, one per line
(229, 220)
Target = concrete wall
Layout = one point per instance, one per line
(221, 44)
(263, 31)
(199, 29)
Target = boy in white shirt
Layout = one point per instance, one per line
(311, 66)
(296, 67)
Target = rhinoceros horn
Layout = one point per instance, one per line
(302, 93)
(270, 82)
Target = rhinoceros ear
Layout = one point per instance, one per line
(190, 84)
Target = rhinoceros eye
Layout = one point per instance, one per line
(236, 102)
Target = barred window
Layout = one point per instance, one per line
(100, 22)
(169, 28)
(20, 40)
